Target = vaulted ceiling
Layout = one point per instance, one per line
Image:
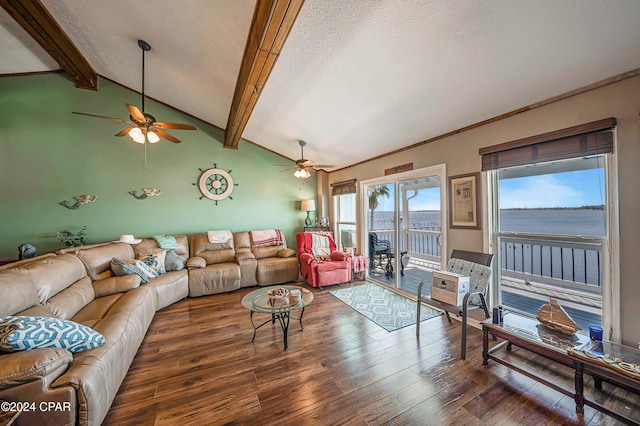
(354, 78)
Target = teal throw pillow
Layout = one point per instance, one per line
(121, 267)
(166, 241)
(174, 262)
(21, 333)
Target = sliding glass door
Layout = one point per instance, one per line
(403, 216)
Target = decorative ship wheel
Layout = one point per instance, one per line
(215, 184)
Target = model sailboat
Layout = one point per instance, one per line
(556, 318)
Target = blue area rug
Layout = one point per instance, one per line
(389, 310)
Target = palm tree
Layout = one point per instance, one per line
(374, 196)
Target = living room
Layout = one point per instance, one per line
(61, 155)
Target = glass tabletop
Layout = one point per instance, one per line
(259, 301)
(530, 328)
(612, 352)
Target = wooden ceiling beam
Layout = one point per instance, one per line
(272, 21)
(38, 22)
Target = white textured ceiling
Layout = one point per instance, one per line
(355, 79)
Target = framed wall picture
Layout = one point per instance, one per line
(464, 201)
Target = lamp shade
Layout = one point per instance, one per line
(308, 205)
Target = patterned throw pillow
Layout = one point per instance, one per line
(155, 261)
(166, 241)
(174, 262)
(146, 269)
(127, 267)
(21, 333)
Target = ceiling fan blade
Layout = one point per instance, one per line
(102, 116)
(322, 166)
(124, 132)
(176, 126)
(136, 113)
(167, 136)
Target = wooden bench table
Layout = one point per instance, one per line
(527, 333)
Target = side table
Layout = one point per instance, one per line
(316, 228)
(359, 266)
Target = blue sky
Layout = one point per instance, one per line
(570, 189)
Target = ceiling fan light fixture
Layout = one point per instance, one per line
(152, 137)
(301, 173)
(136, 135)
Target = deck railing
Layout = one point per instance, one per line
(420, 242)
(557, 262)
(570, 263)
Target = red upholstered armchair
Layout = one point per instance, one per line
(320, 263)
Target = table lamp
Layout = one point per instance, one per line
(307, 206)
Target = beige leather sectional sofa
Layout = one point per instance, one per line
(77, 284)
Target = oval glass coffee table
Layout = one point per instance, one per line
(280, 309)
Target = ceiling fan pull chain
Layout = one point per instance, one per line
(144, 167)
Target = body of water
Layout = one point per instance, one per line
(581, 222)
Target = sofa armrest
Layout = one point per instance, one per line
(307, 258)
(196, 262)
(114, 285)
(286, 253)
(17, 368)
(339, 255)
(243, 256)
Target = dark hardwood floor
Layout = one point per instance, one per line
(197, 365)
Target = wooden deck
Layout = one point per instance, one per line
(415, 272)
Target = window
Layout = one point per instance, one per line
(551, 224)
(551, 233)
(346, 223)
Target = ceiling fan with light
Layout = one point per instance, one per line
(143, 126)
(303, 167)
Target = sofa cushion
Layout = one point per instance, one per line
(115, 285)
(174, 262)
(97, 260)
(266, 252)
(69, 301)
(170, 287)
(24, 367)
(18, 333)
(53, 274)
(122, 267)
(212, 252)
(154, 261)
(23, 293)
(286, 253)
(277, 270)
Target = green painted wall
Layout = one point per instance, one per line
(48, 154)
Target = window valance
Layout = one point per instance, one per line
(577, 141)
(344, 187)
